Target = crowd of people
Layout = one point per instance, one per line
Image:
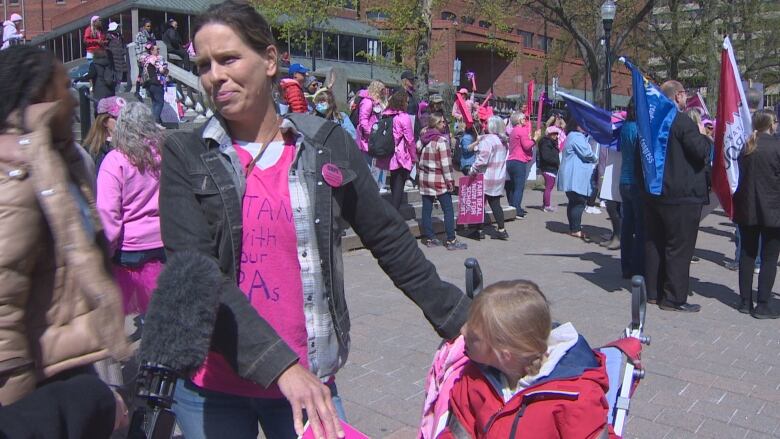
(266, 187)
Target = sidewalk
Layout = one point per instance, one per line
(711, 374)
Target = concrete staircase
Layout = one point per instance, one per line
(411, 210)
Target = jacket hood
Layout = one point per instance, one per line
(568, 356)
(429, 135)
(102, 61)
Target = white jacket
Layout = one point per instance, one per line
(10, 33)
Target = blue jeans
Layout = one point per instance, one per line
(632, 238)
(518, 173)
(158, 101)
(204, 414)
(449, 215)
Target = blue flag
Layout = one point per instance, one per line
(597, 122)
(654, 116)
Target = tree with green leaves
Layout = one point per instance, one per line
(300, 21)
(582, 20)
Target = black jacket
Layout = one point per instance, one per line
(687, 165)
(118, 51)
(172, 39)
(549, 155)
(200, 209)
(101, 73)
(757, 199)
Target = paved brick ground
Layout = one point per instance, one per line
(712, 374)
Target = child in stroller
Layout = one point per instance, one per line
(512, 372)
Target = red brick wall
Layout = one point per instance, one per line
(45, 15)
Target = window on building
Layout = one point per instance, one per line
(346, 50)
(331, 46)
(360, 49)
(485, 24)
(528, 38)
(543, 43)
(376, 15)
(348, 4)
(315, 44)
(298, 46)
(13, 2)
(467, 20)
(59, 2)
(449, 16)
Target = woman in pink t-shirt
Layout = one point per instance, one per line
(128, 188)
(519, 160)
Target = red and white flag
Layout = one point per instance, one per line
(733, 128)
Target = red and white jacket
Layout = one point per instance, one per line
(568, 402)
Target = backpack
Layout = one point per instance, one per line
(354, 115)
(381, 142)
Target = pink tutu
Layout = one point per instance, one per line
(137, 285)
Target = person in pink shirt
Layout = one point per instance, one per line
(521, 154)
(128, 187)
(370, 108)
(401, 162)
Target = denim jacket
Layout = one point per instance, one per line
(201, 189)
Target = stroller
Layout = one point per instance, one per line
(622, 358)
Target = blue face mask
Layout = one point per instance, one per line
(321, 107)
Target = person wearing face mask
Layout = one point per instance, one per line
(325, 107)
(672, 218)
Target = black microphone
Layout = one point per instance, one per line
(176, 338)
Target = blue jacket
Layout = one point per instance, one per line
(576, 165)
(467, 156)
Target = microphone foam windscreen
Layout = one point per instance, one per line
(182, 312)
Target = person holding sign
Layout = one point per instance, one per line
(491, 161)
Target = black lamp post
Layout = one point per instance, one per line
(608, 9)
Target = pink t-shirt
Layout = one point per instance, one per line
(270, 274)
(521, 145)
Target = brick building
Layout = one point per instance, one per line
(59, 24)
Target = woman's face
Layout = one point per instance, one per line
(237, 78)
(110, 125)
(58, 90)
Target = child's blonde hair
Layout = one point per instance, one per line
(514, 315)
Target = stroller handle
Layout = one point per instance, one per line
(638, 303)
(473, 277)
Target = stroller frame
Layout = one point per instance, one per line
(622, 354)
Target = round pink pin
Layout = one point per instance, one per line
(332, 175)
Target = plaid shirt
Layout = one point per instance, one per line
(435, 168)
(324, 352)
(491, 160)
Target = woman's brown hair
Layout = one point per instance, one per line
(398, 101)
(98, 134)
(763, 120)
(514, 315)
(245, 21)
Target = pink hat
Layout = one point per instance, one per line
(111, 106)
(553, 129)
(94, 18)
(463, 91)
(16, 17)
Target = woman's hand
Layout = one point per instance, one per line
(306, 391)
